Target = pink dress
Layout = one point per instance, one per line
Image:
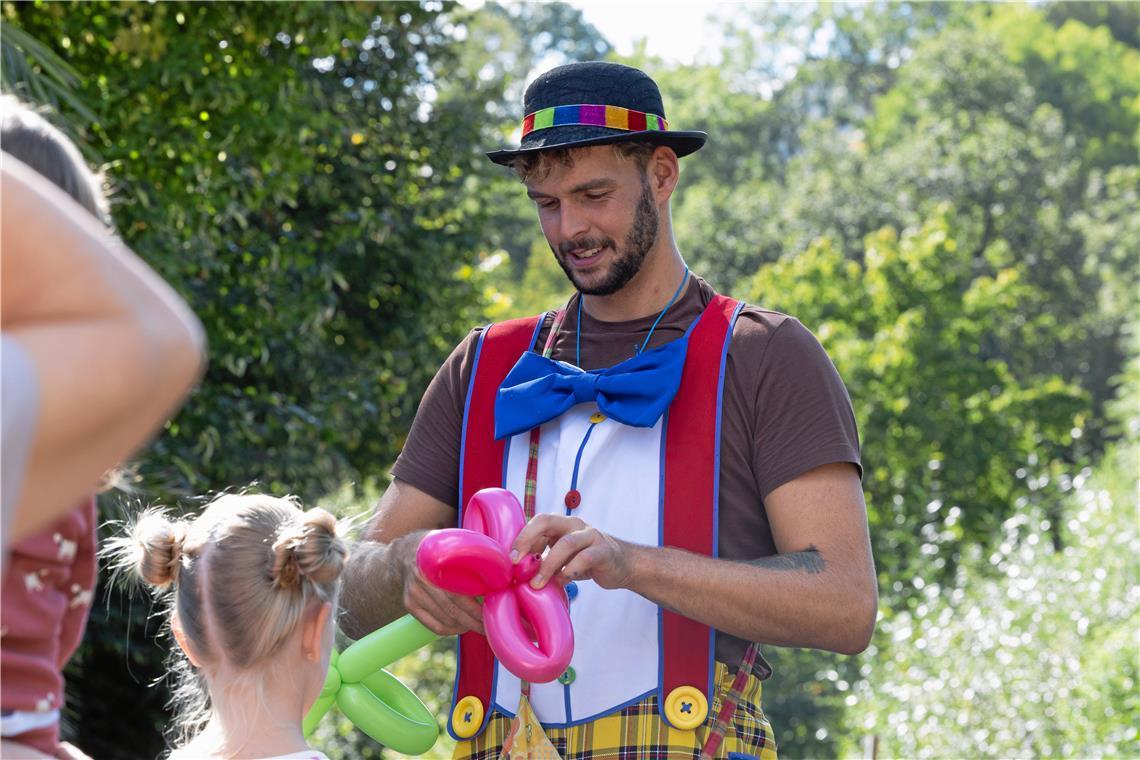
(47, 593)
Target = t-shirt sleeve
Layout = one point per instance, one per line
(430, 457)
(804, 415)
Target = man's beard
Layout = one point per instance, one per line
(629, 259)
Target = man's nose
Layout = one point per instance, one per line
(573, 223)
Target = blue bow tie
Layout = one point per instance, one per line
(636, 392)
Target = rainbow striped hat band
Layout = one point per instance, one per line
(613, 117)
(594, 103)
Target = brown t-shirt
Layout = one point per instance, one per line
(785, 412)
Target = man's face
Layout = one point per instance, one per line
(599, 217)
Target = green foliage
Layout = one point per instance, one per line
(278, 165)
(947, 428)
(1032, 651)
(502, 45)
(33, 72)
(1082, 71)
(895, 109)
(544, 286)
(282, 166)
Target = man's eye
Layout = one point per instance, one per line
(548, 205)
(596, 196)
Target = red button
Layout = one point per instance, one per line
(573, 499)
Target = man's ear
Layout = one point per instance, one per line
(183, 641)
(312, 636)
(663, 171)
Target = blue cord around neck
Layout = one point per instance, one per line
(578, 327)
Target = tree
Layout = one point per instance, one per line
(284, 168)
(954, 443)
(948, 428)
(503, 47)
(1032, 651)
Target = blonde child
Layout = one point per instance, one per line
(252, 587)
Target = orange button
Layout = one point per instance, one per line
(573, 498)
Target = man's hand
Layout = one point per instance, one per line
(440, 611)
(577, 551)
(382, 581)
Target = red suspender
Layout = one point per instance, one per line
(481, 466)
(692, 469)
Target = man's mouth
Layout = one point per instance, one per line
(585, 257)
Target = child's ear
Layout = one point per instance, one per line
(183, 641)
(312, 638)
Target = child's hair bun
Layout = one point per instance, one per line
(157, 542)
(308, 549)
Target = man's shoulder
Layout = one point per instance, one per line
(765, 341)
(514, 326)
(757, 326)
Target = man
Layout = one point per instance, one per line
(702, 475)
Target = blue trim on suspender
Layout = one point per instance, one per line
(660, 690)
(716, 480)
(459, 521)
(466, 414)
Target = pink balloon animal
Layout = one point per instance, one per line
(474, 560)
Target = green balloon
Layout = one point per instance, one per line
(385, 709)
(320, 707)
(381, 648)
(374, 700)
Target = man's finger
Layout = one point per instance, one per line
(581, 565)
(431, 622)
(561, 553)
(466, 613)
(542, 531)
(532, 539)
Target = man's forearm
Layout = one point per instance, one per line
(798, 599)
(372, 594)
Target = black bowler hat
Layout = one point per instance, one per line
(595, 103)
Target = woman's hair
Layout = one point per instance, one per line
(26, 135)
(239, 577)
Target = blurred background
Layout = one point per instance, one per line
(946, 194)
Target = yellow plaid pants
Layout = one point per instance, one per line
(637, 731)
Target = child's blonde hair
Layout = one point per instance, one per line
(28, 136)
(241, 576)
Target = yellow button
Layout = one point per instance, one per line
(467, 717)
(597, 417)
(686, 708)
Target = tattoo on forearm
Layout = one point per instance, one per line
(809, 560)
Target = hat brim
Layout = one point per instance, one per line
(574, 136)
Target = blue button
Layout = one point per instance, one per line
(571, 590)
